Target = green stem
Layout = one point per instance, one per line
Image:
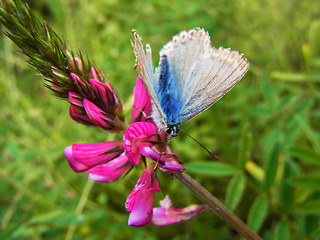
(217, 207)
(82, 202)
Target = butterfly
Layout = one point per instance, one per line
(192, 75)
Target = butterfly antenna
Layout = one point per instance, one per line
(213, 155)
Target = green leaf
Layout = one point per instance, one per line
(291, 76)
(286, 195)
(311, 207)
(235, 190)
(306, 155)
(316, 233)
(214, 169)
(271, 167)
(282, 231)
(311, 182)
(258, 212)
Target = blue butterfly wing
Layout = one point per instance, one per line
(191, 75)
(167, 91)
(201, 73)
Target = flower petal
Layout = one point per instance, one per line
(169, 162)
(82, 157)
(167, 214)
(110, 171)
(142, 104)
(137, 136)
(140, 201)
(98, 116)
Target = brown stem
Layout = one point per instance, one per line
(217, 207)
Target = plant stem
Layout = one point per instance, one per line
(217, 207)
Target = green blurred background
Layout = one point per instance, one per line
(265, 131)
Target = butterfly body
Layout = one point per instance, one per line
(191, 76)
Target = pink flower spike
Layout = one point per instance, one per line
(82, 157)
(166, 214)
(110, 171)
(169, 162)
(137, 136)
(142, 104)
(140, 201)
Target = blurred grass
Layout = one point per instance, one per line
(265, 131)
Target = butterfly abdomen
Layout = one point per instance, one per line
(168, 93)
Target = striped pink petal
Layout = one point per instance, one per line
(137, 136)
(110, 171)
(82, 157)
(98, 116)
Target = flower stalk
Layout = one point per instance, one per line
(216, 206)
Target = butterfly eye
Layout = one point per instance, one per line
(172, 131)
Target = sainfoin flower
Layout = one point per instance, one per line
(108, 161)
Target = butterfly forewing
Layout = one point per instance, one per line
(204, 74)
(145, 69)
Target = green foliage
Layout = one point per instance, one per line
(266, 131)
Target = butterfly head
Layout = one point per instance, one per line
(172, 131)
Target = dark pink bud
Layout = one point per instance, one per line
(100, 117)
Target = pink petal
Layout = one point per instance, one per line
(104, 94)
(110, 171)
(82, 157)
(142, 104)
(141, 212)
(137, 136)
(140, 201)
(169, 162)
(77, 115)
(75, 98)
(167, 214)
(98, 116)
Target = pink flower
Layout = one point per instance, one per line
(140, 201)
(140, 139)
(82, 157)
(167, 214)
(110, 171)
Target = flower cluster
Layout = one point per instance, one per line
(94, 102)
(108, 161)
